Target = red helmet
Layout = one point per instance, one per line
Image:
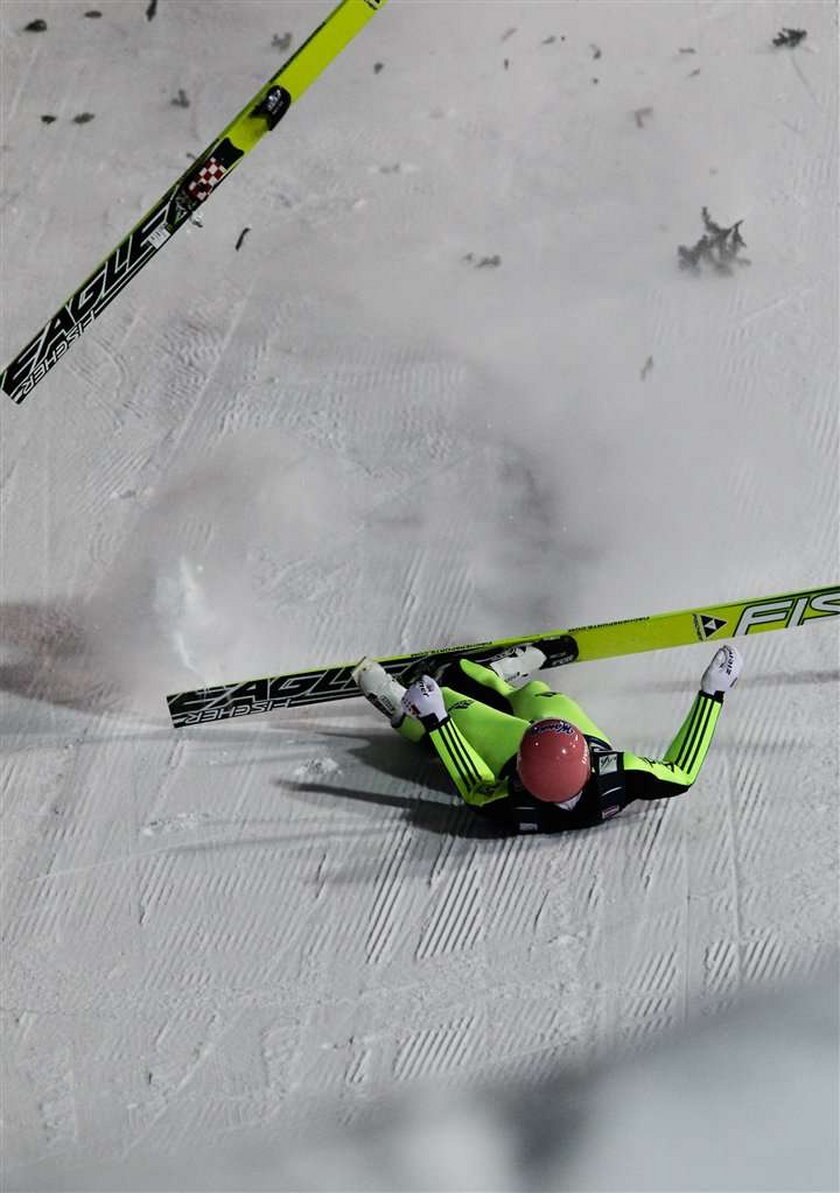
(553, 760)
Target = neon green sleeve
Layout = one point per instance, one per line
(469, 772)
(649, 779)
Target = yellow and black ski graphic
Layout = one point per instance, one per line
(583, 644)
(261, 114)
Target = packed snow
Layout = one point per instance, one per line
(452, 384)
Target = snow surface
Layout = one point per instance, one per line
(350, 437)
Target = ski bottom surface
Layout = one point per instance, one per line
(707, 623)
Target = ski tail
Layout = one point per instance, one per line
(708, 623)
(261, 114)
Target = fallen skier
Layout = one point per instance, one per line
(530, 759)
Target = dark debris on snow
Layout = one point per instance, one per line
(718, 247)
(790, 37)
(483, 262)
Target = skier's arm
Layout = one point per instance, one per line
(473, 778)
(648, 779)
(471, 775)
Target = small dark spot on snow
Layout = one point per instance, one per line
(508, 33)
(694, 73)
(181, 100)
(790, 37)
(596, 51)
(281, 42)
(483, 262)
(241, 238)
(151, 10)
(93, 13)
(377, 67)
(687, 50)
(547, 41)
(83, 118)
(48, 119)
(37, 26)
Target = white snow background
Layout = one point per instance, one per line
(274, 954)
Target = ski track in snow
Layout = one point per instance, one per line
(347, 438)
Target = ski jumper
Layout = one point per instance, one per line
(479, 741)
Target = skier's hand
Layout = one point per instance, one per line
(424, 700)
(723, 671)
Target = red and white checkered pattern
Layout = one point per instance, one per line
(210, 175)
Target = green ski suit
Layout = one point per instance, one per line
(479, 740)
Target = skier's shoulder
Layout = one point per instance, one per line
(606, 791)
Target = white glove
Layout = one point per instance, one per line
(424, 700)
(723, 671)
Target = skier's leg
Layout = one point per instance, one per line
(480, 683)
(493, 734)
(488, 684)
(536, 700)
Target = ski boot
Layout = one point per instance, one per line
(521, 661)
(518, 663)
(383, 691)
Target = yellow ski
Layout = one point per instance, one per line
(194, 187)
(708, 623)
